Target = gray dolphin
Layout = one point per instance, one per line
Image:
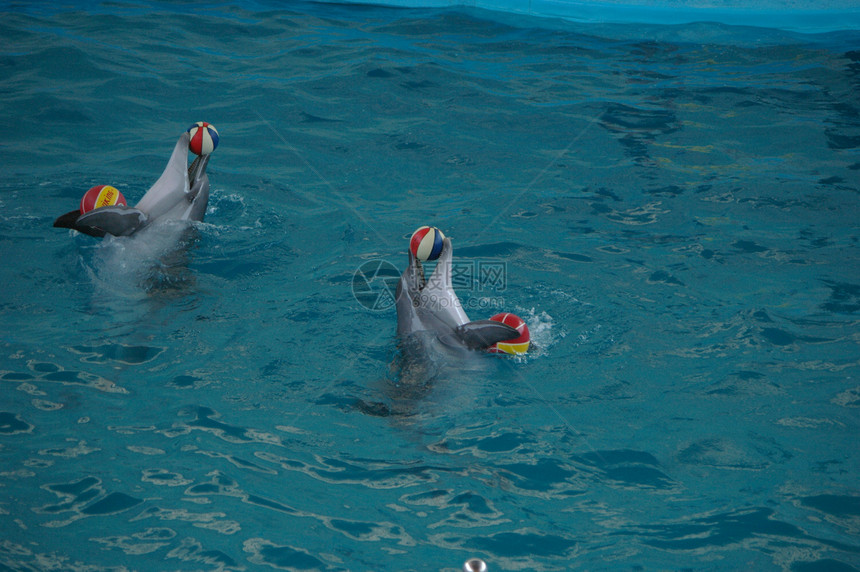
(435, 334)
(181, 193)
(430, 310)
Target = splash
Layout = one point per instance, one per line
(155, 259)
(544, 332)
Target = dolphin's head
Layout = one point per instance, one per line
(429, 304)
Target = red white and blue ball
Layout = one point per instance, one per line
(426, 243)
(518, 345)
(101, 196)
(204, 138)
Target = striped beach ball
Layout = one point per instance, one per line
(101, 196)
(426, 243)
(518, 345)
(204, 138)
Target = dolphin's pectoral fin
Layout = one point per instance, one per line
(481, 334)
(118, 220)
(67, 220)
(70, 220)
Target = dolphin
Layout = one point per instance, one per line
(429, 311)
(435, 335)
(181, 193)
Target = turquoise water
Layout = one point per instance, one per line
(807, 16)
(673, 210)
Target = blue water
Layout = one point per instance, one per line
(808, 16)
(673, 210)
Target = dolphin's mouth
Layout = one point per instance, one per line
(416, 274)
(196, 172)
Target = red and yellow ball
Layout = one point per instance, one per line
(101, 196)
(518, 345)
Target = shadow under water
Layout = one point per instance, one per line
(424, 377)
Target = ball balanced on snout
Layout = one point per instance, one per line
(426, 243)
(204, 138)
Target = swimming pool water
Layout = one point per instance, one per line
(673, 210)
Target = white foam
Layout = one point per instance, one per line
(542, 329)
(127, 268)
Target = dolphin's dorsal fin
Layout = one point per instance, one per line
(118, 220)
(481, 334)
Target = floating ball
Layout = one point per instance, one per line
(518, 345)
(101, 196)
(204, 138)
(475, 565)
(426, 243)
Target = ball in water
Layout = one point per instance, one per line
(515, 346)
(101, 196)
(204, 138)
(426, 243)
(475, 565)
